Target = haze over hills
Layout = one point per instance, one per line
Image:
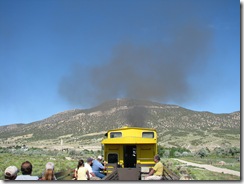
(176, 126)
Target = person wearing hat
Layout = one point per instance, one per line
(26, 169)
(89, 168)
(97, 167)
(10, 173)
(49, 172)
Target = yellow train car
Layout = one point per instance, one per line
(129, 146)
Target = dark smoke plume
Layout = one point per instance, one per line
(137, 116)
(158, 72)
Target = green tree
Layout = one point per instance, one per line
(203, 152)
(234, 150)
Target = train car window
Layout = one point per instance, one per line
(148, 134)
(115, 134)
(112, 158)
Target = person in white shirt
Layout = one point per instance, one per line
(89, 168)
(26, 169)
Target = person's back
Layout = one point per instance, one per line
(89, 168)
(97, 167)
(27, 177)
(49, 172)
(158, 168)
(81, 173)
(26, 169)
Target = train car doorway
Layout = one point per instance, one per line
(129, 156)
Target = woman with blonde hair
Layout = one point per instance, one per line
(81, 173)
(49, 173)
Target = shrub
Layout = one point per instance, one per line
(203, 152)
(177, 154)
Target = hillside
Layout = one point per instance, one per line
(176, 126)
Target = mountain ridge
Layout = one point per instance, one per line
(171, 121)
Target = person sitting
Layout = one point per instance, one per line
(26, 169)
(157, 171)
(97, 167)
(49, 172)
(89, 168)
(10, 173)
(81, 173)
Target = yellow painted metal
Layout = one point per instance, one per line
(146, 148)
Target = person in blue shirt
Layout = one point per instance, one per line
(97, 167)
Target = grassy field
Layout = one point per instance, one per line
(202, 174)
(38, 163)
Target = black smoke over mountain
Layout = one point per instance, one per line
(158, 71)
(137, 116)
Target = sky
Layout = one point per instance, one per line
(58, 55)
